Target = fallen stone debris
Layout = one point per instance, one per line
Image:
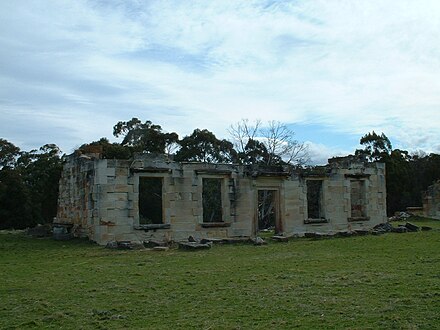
(40, 231)
(411, 227)
(62, 233)
(192, 246)
(400, 229)
(258, 241)
(160, 248)
(382, 228)
(123, 245)
(151, 244)
(399, 216)
(280, 238)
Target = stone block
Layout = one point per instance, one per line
(101, 179)
(117, 196)
(110, 171)
(121, 171)
(121, 204)
(130, 180)
(119, 215)
(123, 188)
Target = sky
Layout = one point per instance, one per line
(332, 70)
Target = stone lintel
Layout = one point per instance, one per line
(151, 170)
(213, 172)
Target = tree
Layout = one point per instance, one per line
(15, 201)
(273, 144)
(398, 181)
(144, 137)
(8, 153)
(376, 147)
(203, 146)
(255, 152)
(40, 171)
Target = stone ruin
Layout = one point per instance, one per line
(431, 201)
(154, 198)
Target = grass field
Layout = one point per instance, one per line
(363, 282)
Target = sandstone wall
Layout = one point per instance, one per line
(101, 199)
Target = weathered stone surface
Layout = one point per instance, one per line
(280, 238)
(193, 246)
(111, 245)
(400, 229)
(431, 201)
(361, 232)
(161, 248)
(152, 243)
(40, 231)
(411, 227)
(259, 241)
(383, 227)
(313, 235)
(101, 198)
(121, 245)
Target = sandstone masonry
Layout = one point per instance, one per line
(151, 197)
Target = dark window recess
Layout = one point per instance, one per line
(212, 200)
(150, 201)
(357, 196)
(267, 213)
(314, 199)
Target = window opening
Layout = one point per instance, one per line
(314, 199)
(150, 200)
(357, 196)
(212, 200)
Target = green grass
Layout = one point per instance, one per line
(363, 282)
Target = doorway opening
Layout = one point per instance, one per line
(267, 211)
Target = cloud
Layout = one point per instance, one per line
(320, 153)
(351, 66)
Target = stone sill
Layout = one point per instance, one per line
(312, 221)
(358, 219)
(154, 226)
(215, 224)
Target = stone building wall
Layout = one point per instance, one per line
(431, 201)
(101, 198)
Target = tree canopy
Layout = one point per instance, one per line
(29, 179)
(376, 147)
(144, 137)
(29, 185)
(203, 146)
